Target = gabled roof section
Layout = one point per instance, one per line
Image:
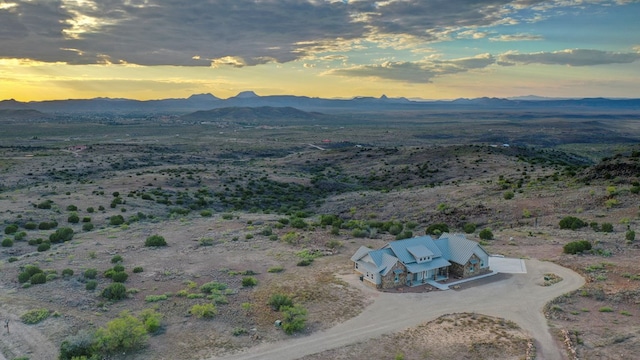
(458, 248)
(362, 251)
(400, 248)
(429, 265)
(420, 251)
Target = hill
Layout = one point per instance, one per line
(250, 114)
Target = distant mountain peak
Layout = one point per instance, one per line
(246, 95)
(203, 97)
(383, 97)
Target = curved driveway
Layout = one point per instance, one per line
(518, 298)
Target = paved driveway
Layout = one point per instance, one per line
(517, 297)
(505, 265)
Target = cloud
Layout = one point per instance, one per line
(416, 72)
(516, 37)
(244, 32)
(570, 57)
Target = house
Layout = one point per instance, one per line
(412, 262)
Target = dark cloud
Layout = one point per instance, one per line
(571, 57)
(416, 72)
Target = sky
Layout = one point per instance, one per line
(429, 49)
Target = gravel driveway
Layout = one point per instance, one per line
(516, 297)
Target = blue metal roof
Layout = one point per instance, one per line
(429, 265)
(400, 248)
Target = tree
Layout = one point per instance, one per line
(486, 234)
(126, 332)
(294, 318)
(437, 229)
(469, 228)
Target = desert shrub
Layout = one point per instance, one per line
(266, 231)
(206, 213)
(206, 241)
(279, 300)
(20, 236)
(87, 226)
(119, 276)
(437, 229)
(30, 226)
(116, 220)
(155, 298)
(78, 346)
(39, 278)
(293, 318)
(67, 272)
(605, 309)
(47, 225)
(576, 247)
(607, 227)
(34, 242)
(212, 286)
(72, 208)
(61, 235)
(91, 285)
(305, 262)
(275, 269)
(469, 228)
(359, 233)
(396, 229)
(73, 219)
(45, 204)
(118, 267)
(407, 234)
(44, 246)
(117, 259)
(12, 259)
(23, 277)
(126, 332)
(86, 219)
(115, 291)
(486, 234)
(571, 222)
(630, 235)
(7, 242)
(11, 229)
(90, 273)
(333, 244)
(155, 240)
(91, 210)
(227, 216)
(249, 281)
(101, 208)
(152, 320)
(34, 316)
(299, 223)
(204, 310)
(138, 269)
(508, 195)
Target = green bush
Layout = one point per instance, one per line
(115, 291)
(90, 273)
(45, 204)
(299, 223)
(206, 213)
(212, 286)
(7, 242)
(204, 310)
(67, 272)
(91, 210)
(86, 219)
(23, 277)
(576, 247)
(116, 220)
(44, 246)
(87, 226)
(20, 236)
(34, 316)
(78, 347)
(275, 269)
(155, 298)
(39, 278)
(30, 226)
(249, 281)
(72, 208)
(630, 235)
(91, 285)
(437, 229)
(11, 229)
(571, 222)
(47, 225)
(508, 195)
(124, 333)
(138, 269)
(407, 234)
(117, 259)
(73, 219)
(486, 234)
(152, 320)
(607, 227)
(155, 240)
(279, 300)
(469, 228)
(293, 318)
(119, 276)
(61, 235)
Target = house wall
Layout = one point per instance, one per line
(389, 281)
(464, 271)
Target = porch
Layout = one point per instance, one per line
(422, 277)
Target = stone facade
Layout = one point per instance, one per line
(389, 281)
(471, 268)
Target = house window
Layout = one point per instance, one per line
(397, 279)
(356, 265)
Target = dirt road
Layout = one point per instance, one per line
(516, 297)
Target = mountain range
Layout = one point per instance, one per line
(201, 102)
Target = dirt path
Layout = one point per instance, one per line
(23, 340)
(517, 297)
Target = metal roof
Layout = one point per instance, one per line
(419, 251)
(361, 252)
(458, 248)
(400, 248)
(429, 265)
